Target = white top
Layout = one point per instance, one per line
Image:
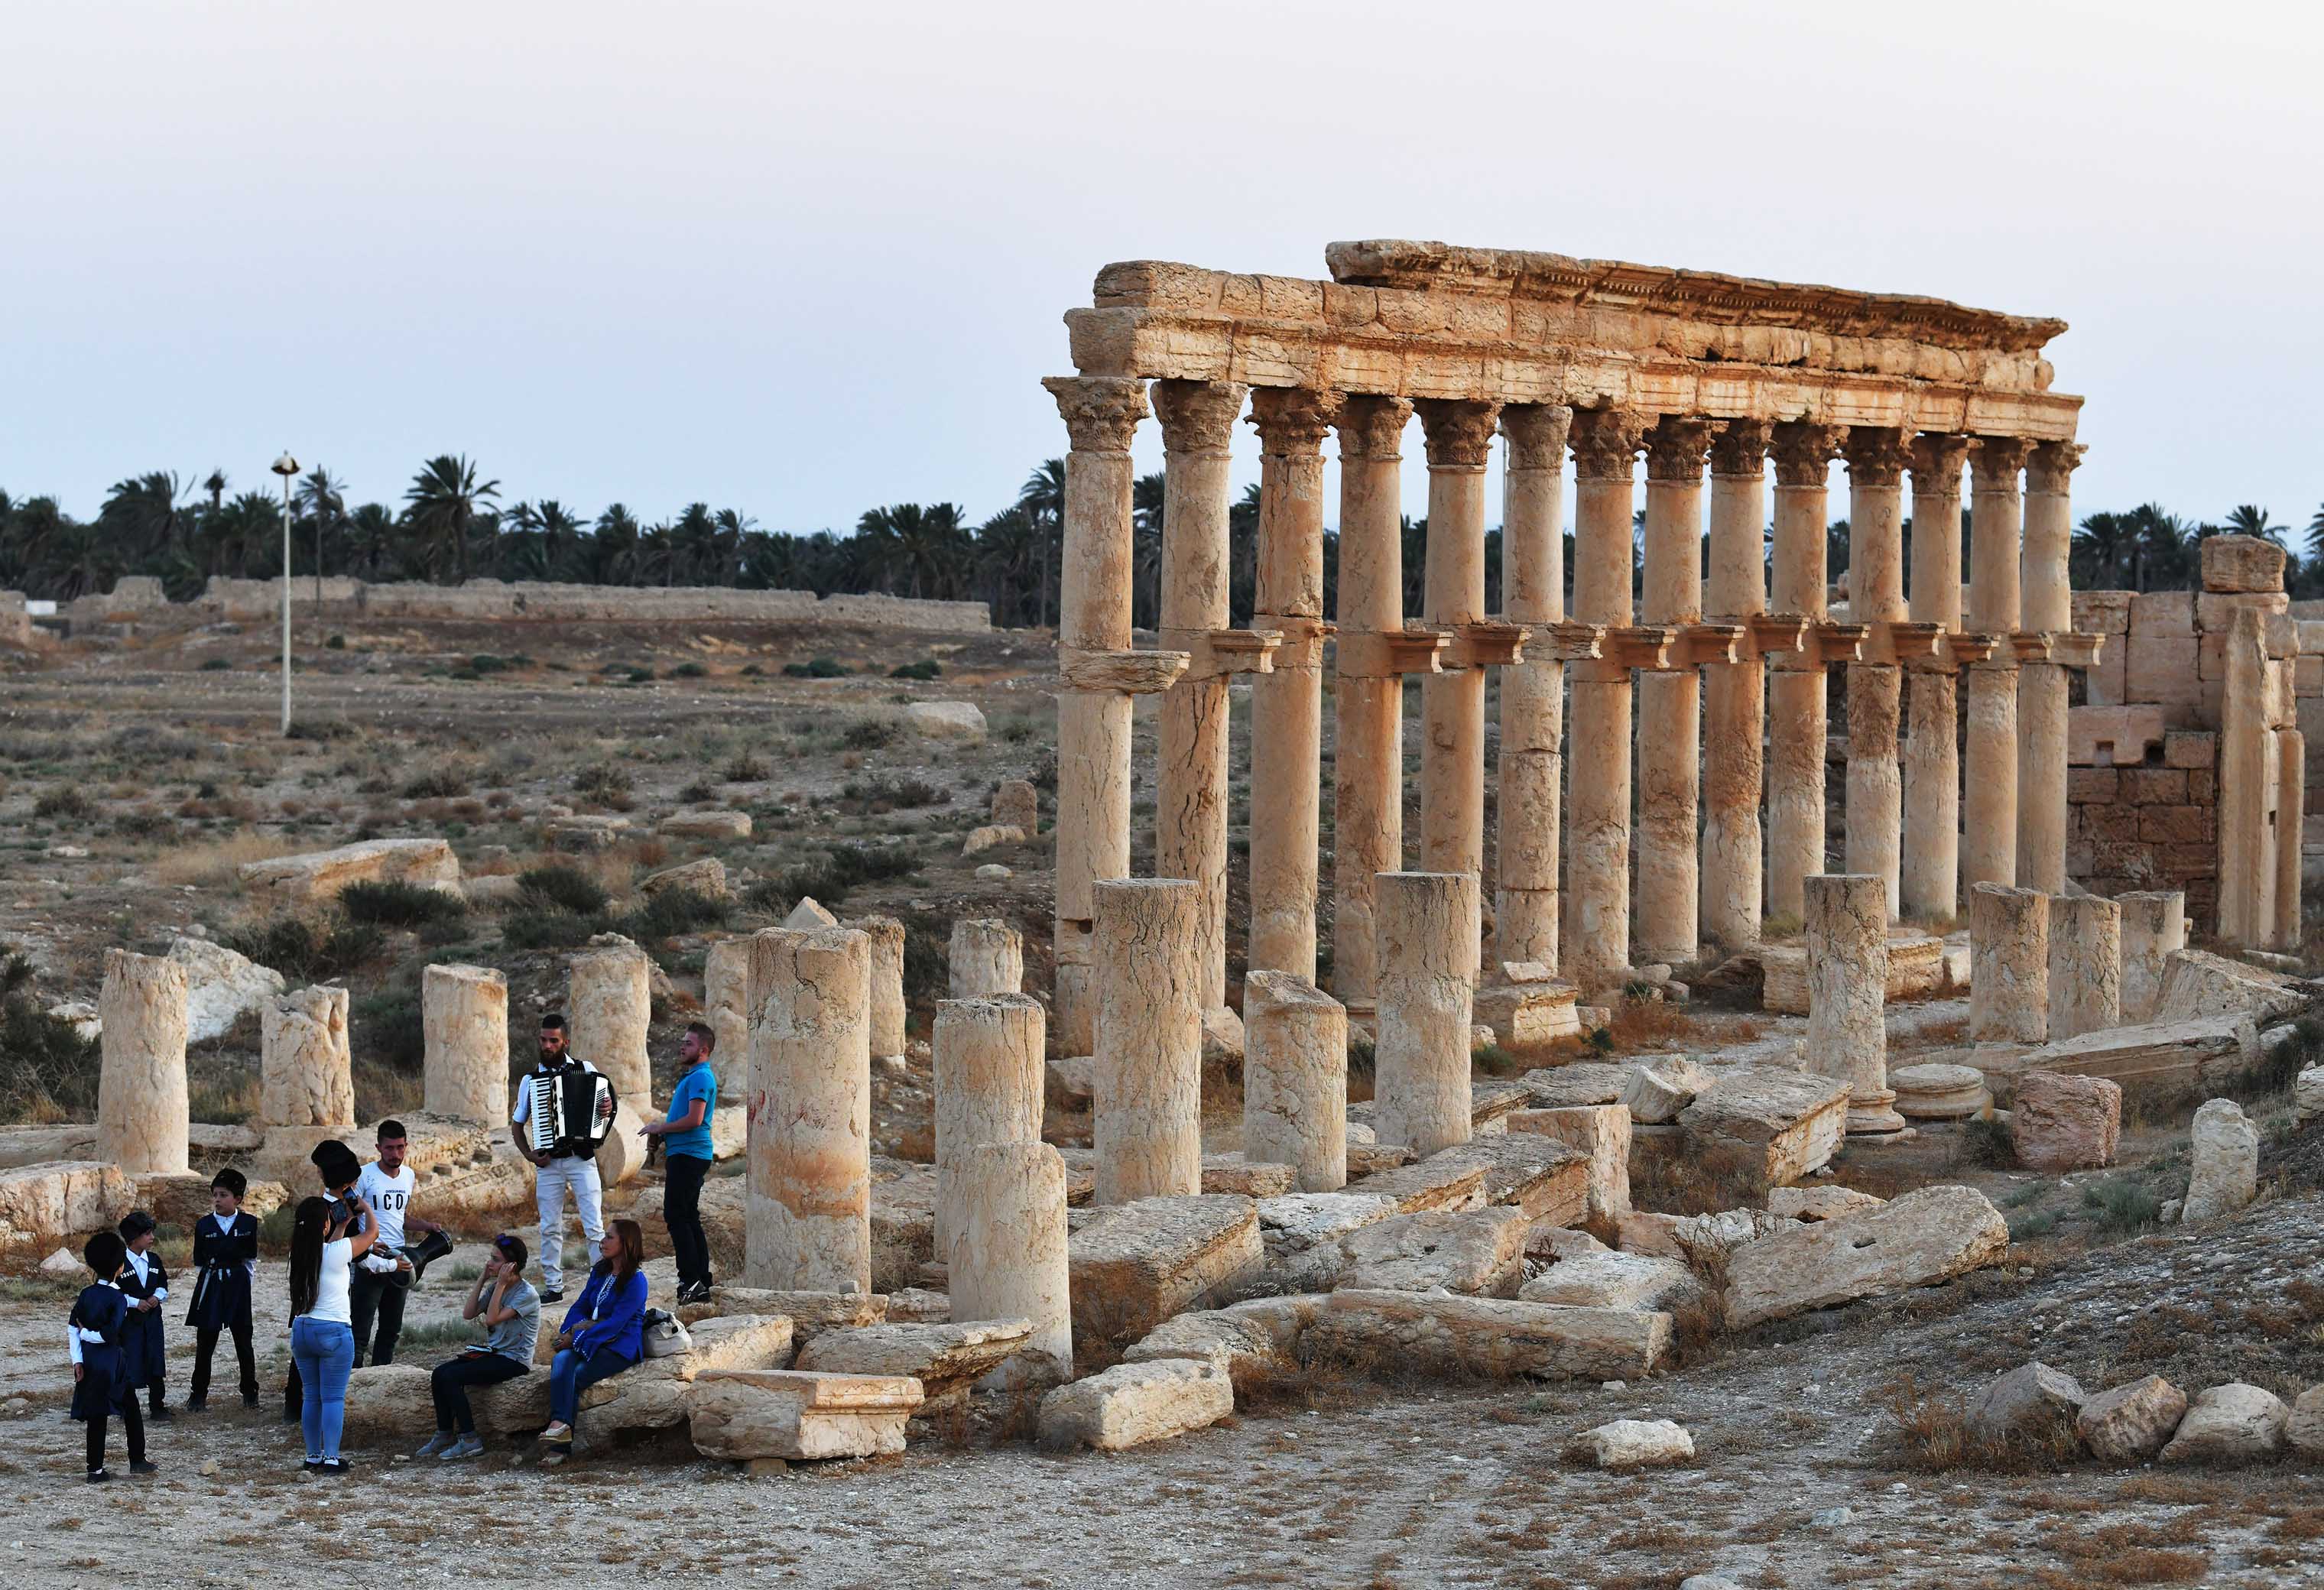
(331, 1283)
(389, 1196)
(138, 1262)
(523, 1111)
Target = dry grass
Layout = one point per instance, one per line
(1934, 1436)
(1648, 1024)
(217, 863)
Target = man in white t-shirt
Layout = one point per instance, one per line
(381, 1277)
(568, 1165)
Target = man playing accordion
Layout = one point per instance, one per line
(563, 1148)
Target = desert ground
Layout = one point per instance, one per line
(142, 766)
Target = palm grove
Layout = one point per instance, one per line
(453, 525)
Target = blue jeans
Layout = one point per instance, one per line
(571, 1374)
(324, 1353)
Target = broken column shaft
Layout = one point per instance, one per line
(810, 1210)
(1428, 979)
(1147, 1085)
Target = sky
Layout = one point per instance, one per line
(801, 260)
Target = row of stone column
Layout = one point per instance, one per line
(1697, 871)
(2044, 968)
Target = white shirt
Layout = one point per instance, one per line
(331, 1283)
(138, 1262)
(389, 1196)
(523, 1111)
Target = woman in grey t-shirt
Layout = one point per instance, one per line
(510, 1311)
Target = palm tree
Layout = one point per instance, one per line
(322, 498)
(694, 546)
(141, 517)
(2098, 547)
(732, 528)
(1043, 499)
(370, 538)
(214, 485)
(446, 503)
(614, 549)
(2247, 518)
(1146, 507)
(2316, 533)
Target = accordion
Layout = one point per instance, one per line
(568, 1113)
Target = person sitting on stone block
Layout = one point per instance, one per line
(603, 1333)
(510, 1311)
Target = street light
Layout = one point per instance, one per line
(286, 467)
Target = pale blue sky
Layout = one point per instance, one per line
(803, 259)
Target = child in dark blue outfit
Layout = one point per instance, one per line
(101, 1386)
(146, 1285)
(226, 1254)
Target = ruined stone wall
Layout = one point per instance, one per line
(252, 601)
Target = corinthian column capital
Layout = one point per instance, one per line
(1100, 411)
(1371, 427)
(1937, 460)
(1291, 421)
(1536, 434)
(1606, 442)
(1459, 432)
(1676, 447)
(1994, 462)
(1197, 416)
(1804, 451)
(1878, 454)
(2051, 465)
(1741, 448)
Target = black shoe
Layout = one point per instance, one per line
(555, 1294)
(196, 1404)
(292, 1415)
(98, 1476)
(139, 1465)
(313, 1465)
(249, 1399)
(335, 1466)
(160, 1414)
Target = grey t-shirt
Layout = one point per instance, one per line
(514, 1336)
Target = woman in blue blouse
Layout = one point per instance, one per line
(603, 1331)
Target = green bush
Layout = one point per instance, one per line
(304, 953)
(675, 911)
(438, 783)
(604, 782)
(2123, 1203)
(869, 734)
(47, 1068)
(926, 669)
(754, 671)
(562, 888)
(745, 768)
(322, 729)
(215, 665)
(546, 928)
(689, 671)
(831, 874)
(390, 1026)
(68, 802)
(821, 667)
(399, 904)
(335, 643)
(486, 662)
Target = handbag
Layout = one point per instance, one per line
(663, 1336)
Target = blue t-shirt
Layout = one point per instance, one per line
(702, 1083)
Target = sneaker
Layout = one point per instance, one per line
(312, 1464)
(139, 1465)
(471, 1445)
(436, 1444)
(335, 1466)
(555, 1294)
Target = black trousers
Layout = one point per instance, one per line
(206, 1344)
(133, 1426)
(370, 1295)
(682, 1211)
(449, 1386)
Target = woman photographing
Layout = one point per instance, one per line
(603, 1333)
(322, 1332)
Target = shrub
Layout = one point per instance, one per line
(399, 904)
(391, 1024)
(697, 793)
(68, 802)
(641, 677)
(304, 953)
(926, 669)
(745, 768)
(335, 643)
(48, 1071)
(322, 729)
(438, 783)
(869, 734)
(689, 671)
(215, 665)
(547, 928)
(754, 671)
(486, 662)
(604, 782)
(2123, 1203)
(675, 911)
(144, 824)
(830, 875)
(562, 888)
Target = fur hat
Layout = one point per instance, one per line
(337, 1161)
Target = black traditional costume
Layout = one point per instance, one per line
(226, 1251)
(98, 1326)
(141, 1357)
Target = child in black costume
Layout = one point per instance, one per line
(101, 1387)
(146, 1285)
(226, 1254)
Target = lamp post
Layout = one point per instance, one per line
(286, 467)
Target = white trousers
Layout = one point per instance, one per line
(549, 1185)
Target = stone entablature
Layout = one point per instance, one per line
(1428, 320)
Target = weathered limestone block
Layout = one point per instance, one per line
(222, 987)
(2085, 965)
(1654, 1234)
(2028, 1404)
(1543, 1176)
(1424, 1333)
(1785, 1122)
(2308, 1096)
(1703, 1240)
(1527, 1014)
(2112, 736)
(1600, 1133)
(1847, 979)
(1936, 1091)
(986, 1055)
(47, 1203)
(305, 1075)
(987, 956)
(1137, 1265)
(1617, 1280)
(1632, 1443)
(2231, 1423)
(1554, 1244)
(1828, 1202)
(945, 1359)
(2241, 564)
(580, 835)
(1427, 932)
(1653, 1095)
(991, 836)
(887, 982)
(798, 1415)
(810, 1176)
(1916, 969)
(388, 1404)
(2225, 1174)
(810, 1312)
(717, 826)
(807, 914)
(2062, 1123)
(2305, 1430)
(705, 875)
(464, 1026)
(180, 1200)
(2197, 983)
(2157, 1057)
(1015, 804)
(1930, 1234)
(609, 1000)
(1480, 1252)
(1582, 1082)
(1006, 1251)
(946, 719)
(1231, 1173)
(1426, 1184)
(1295, 1109)
(2130, 1423)
(726, 1006)
(1301, 1233)
(142, 1111)
(322, 875)
(653, 1395)
(1257, 1340)
(1132, 1404)
(2009, 982)
(1148, 1094)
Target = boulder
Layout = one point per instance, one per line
(1632, 1443)
(322, 875)
(1601, 1133)
(1301, 1232)
(63, 1262)
(2130, 1423)
(798, 1415)
(2032, 1403)
(713, 826)
(1222, 1036)
(1929, 1234)
(1015, 804)
(43, 1204)
(1401, 1333)
(2231, 1423)
(221, 987)
(991, 836)
(2065, 1123)
(914, 1305)
(1935, 1092)
(1253, 1341)
(1784, 1124)
(388, 1404)
(1132, 1404)
(946, 719)
(809, 914)
(705, 877)
(2308, 1096)
(2197, 984)
(2305, 1430)
(580, 835)
(2225, 1174)
(1656, 1235)
(1617, 1280)
(1829, 1202)
(945, 1359)
(1655, 1094)
(1480, 1252)
(652, 1396)
(1134, 1265)
(1072, 1081)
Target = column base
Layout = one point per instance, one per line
(1874, 1116)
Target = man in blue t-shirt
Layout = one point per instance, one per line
(686, 1134)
